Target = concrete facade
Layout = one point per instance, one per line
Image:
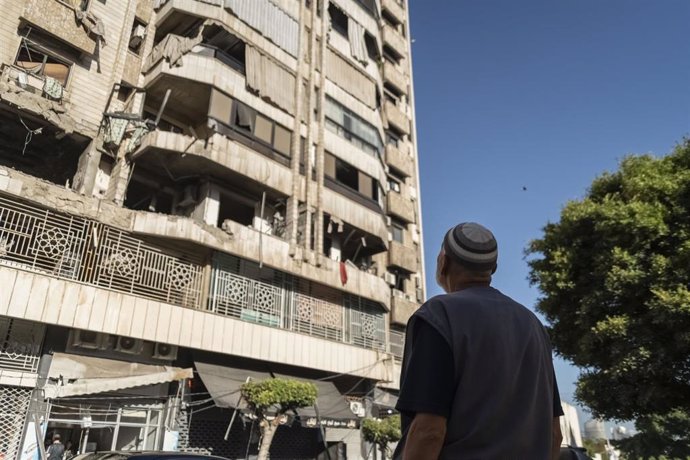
(170, 195)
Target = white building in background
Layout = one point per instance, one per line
(595, 429)
(570, 426)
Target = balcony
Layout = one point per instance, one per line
(402, 257)
(402, 309)
(394, 9)
(393, 76)
(398, 159)
(59, 19)
(397, 118)
(78, 273)
(394, 40)
(401, 206)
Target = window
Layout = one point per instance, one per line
(339, 20)
(390, 55)
(261, 128)
(372, 47)
(346, 124)
(397, 230)
(39, 62)
(352, 178)
(392, 139)
(226, 47)
(370, 7)
(137, 37)
(394, 185)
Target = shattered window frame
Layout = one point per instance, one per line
(31, 46)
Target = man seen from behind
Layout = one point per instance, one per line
(477, 379)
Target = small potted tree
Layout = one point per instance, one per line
(279, 396)
(382, 432)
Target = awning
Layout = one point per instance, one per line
(223, 383)
(73, 375)
(384, 398)
(333, 408)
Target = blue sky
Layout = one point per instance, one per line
(545, 94)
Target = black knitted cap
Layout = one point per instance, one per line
(472, 245)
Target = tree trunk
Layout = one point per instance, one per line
(268, 430)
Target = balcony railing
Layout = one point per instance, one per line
(82, 250)
(277, 302)
(77, 249)
(20, 344)
(396, 343)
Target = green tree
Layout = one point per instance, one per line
(382, 432)
(596, 446)
(277, 396)
(613, 275)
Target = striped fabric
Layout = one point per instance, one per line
(269, 20)
(270, 80)
(349, 78)
(358, 46)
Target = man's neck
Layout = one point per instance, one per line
(461, 285)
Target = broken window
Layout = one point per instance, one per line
(262, 128)
(137, 37)
(235, 208)
(352, 178)
(146, 194)
(36, 60)
(339, 19)
(228, 48)
(346, 175)
(372, 47)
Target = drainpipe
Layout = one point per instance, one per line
(297, 137)
(309, 141)
(320, 152)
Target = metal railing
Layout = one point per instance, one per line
(20, 344)
(396, 343)
(276, 301)
(82, 250)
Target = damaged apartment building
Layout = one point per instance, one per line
(194, 193)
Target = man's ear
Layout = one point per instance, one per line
(443, 265)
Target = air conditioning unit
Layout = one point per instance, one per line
(357, 408)
(389, 278)
(165, 351)
(413, 193)
(129, 345)
(86, 339)
(389, 221)
(420, 295)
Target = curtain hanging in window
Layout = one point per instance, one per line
(358, 46)
(270, 80)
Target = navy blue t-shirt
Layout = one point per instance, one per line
(428, 385)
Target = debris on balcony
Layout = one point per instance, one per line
(49, 110)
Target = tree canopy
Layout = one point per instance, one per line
(382, 432)
(614, 277)
(277, 395)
